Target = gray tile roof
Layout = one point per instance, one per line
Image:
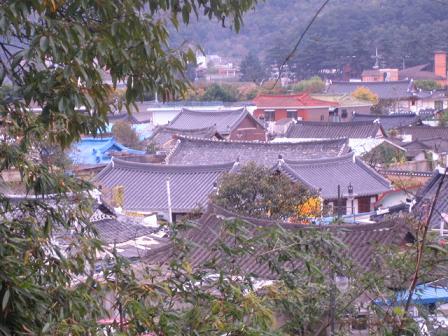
(111, 227)
(437, 145)
(360, 241)
(389, 121)
(424, 132)
(425, 197)
(334, 130)
(225, 121)
(201, 151)
(145, 184)
(384, 90)
(326, 174)
(163, 134)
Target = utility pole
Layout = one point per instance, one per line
(168, 192)
(338, 205)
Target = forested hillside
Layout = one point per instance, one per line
(346, 32)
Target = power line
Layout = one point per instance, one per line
(293, 51)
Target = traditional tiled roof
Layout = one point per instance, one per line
(225, 121)
(360, 241)
(424, 132)
(202, 151)
(145, 187)
(437, 145)
(372, 72)
(333, 130)
(116, 229)
(325, 175)
(98, 150)
(164, 134)
(297, 101)
(389, 121)
(384, 90)
(417, 72)
(425, 197)
(343, 100)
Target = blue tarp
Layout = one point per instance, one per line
(423, 295)
(97, 151)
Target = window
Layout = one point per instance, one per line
(363, 204)
(438, 105)
(291, 114)
(360, 322)
(269, 115)
(344, 113)
(322, 118)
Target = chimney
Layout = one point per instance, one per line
(440, 63)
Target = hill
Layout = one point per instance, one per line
(346, 32)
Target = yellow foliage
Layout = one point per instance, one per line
(364, 93)
(311, 208)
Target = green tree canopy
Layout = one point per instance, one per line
(220, 92)
(251, 69)
(427, 85)
(311, 85)
(54, 58)
(258, 191)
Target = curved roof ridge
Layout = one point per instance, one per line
(256, 142)
(190, 130)
(330, 160)
(392, 115)
(217, 111)
(371, 83)
(330, 123)
(120, 163)
(173, 150)
(220, 211)
(424, 126)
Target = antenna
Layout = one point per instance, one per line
(377, 57)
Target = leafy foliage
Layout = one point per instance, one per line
(364, 93)
(223, 92)
(312, 85)
(390, 26)
(427, 85)
(251, 69)
(54, 55)
(125, 134)
(257, 191)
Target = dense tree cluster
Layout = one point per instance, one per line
(346, 33)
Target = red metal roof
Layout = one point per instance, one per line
(290, 101)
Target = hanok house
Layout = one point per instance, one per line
(347, 106)
(301, 106)
(400, 94)
(346, 183)
(189, 151)
(168, 190)
(360, 244)
(412, 133)
(424, 149)
(232, 124)
(328, 130)
(420, 72)
(425, 198)
(163, 137)
(390, 121)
